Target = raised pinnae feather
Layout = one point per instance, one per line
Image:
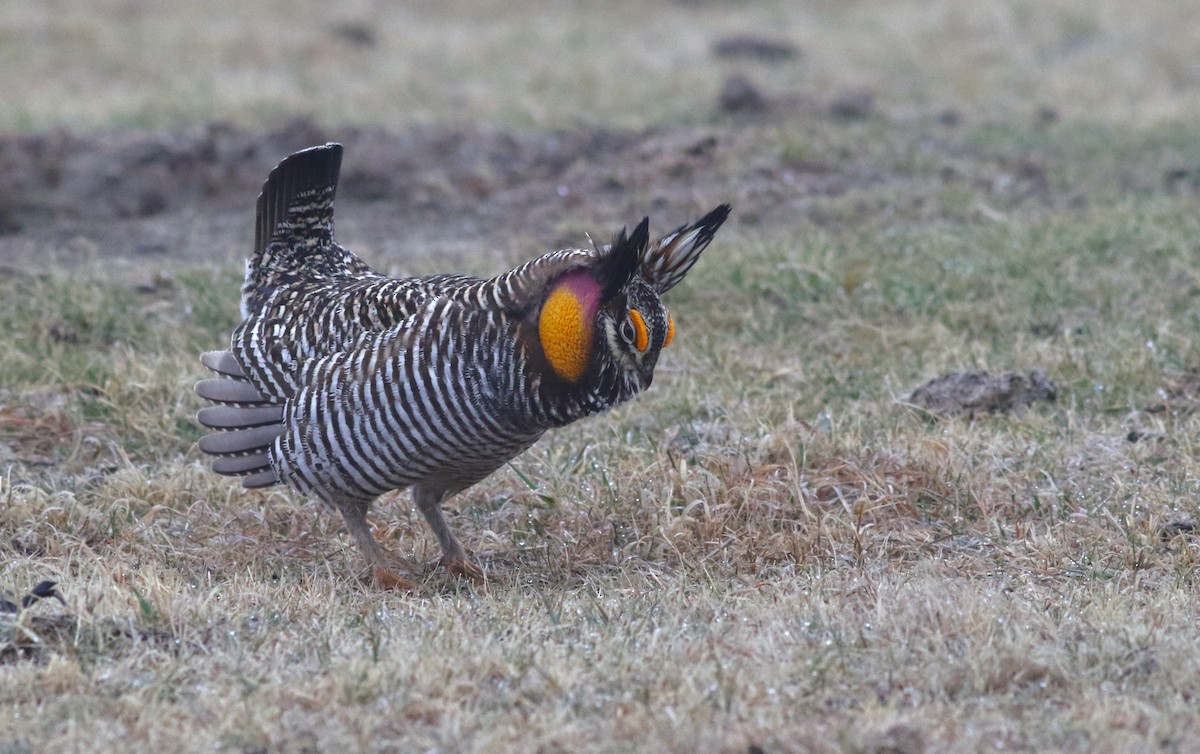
(668, 260)
(620, 261)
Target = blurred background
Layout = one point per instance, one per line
(140, 131)
(134, 63)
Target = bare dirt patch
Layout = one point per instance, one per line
(188, 196)
(170, 198)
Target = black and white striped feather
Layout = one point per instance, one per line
(346, 384)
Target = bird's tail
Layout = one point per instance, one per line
(293, 232)
(668, 259)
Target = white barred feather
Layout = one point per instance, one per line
(346, 384)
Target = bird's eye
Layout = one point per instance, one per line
(641, 335)
(627, 331)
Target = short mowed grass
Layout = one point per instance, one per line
(771, 548)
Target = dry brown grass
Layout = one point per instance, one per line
(842, 605)
(769, 551)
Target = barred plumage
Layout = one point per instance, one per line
(345, 383)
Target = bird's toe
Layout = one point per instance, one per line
(389, 579)
(465, 568)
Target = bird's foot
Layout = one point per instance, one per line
(463, 567)
(388, 579)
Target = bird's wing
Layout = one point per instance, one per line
(247, 420)
(311, 319)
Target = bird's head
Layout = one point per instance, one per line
(605, 321)
(636, 327)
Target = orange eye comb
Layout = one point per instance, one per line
(670, 330)
(641, 334)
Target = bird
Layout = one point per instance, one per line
(345, 384)
(42, 591)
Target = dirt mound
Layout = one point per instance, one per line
(979, 392)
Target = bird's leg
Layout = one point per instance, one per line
(453, 557)
(355, 514)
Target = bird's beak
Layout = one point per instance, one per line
(646, 376)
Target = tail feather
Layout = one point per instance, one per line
(240, 442)
(239, 465)
(248, 422)
(668, 260)
(237, 417)
(222, 362)
(230, 392)
(305, 180)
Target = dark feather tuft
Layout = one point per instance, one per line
(622, 260)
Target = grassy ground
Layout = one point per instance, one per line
(770, 550)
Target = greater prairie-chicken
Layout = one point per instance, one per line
(345, 383)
